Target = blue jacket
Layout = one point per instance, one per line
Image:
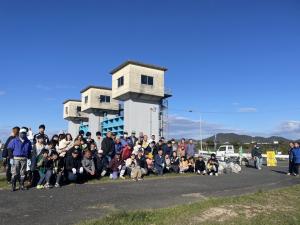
(190, 150)
(159, 162)
(19, 148)
(296, 155)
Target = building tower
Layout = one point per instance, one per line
(141, 88)
(97, 103)
(74, 115)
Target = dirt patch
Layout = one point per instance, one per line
(228, 212)
(218, 214)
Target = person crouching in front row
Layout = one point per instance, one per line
(44, 165)
(200, 166)
(159, 163)
(115, 166)
(74, 169)
(88, 165)
(213, 166)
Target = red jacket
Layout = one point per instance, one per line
(126, 153)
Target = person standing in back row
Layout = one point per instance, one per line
(41, 134)
(21, 150)
(108, 146)
(296, 159)
(7, 153)
(291, 166)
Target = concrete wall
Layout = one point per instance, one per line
(73, 127)
(138, 117)
(132, 81)
(94, 101)
(94, 123)
(72, 110)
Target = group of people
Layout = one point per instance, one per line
(47, 163)
(294, 159)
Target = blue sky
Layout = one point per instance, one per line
(239, 58)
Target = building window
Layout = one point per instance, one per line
(104, 99)
(86, 99)
(121, 81)
(147, 80)
(78, 109)
(67, 110)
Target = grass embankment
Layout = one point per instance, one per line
(276, 207)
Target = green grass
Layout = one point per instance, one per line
(3, 183)
(106, 180)
(274, 207)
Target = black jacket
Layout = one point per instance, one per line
(72, 163)
(7, 153)
(141, 162)
(108, 146)
(257, 152)
(100, 163)
(200, 165)
(175, 161)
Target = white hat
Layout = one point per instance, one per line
(23, 130)
(100, 151)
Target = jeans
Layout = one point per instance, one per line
(72, 177)
(296, 168)
(58, 177)
(258, 162)
(45, 177)
(291, 166)
(19, 168)
(8, 169)
(159, 170)
(115, 175)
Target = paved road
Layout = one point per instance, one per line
(71, 204)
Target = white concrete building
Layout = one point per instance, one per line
(140, 88)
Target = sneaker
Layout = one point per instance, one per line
(103, 173)
(134, 179)
(140, 179)
(216, 174)
(289, 174)
(22, 188)
(57, 185)
(48, 186)
(122, 177)
(39, 187)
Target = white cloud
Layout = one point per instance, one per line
(2, 93)
(235, 103)
(290, 129)
(247, 110)
(180, 127)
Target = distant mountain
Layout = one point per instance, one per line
(236, 138)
